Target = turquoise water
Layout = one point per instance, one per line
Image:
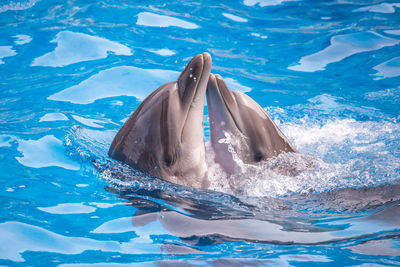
(328, 73)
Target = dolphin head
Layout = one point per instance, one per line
(164, 136)
(240, 127)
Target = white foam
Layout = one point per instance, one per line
(333, 132)
(341, 47)
(20, 5)
(234, 17)
(90, 48)
(46, 152)
(333, 153)
(390, 95)
(56, 116)
(6, 51)
(388, 69)
(117, 81)
(156, 20)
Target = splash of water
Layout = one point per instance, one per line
(334, 154)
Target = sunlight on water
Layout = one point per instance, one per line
(90, 48)
(6, 51)
(54, 117)
(343, 46)
(89, 122)
(45, 152)
(388, 69)
(234, 17)
(68, 208)
(163, 52)
(116, 81)
(22, 39)
(33, 238)
(263, 3)
(380, 8)
(156, 20)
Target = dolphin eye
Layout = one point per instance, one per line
(169, 160)
(258, 156)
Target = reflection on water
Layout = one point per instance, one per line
(21, 237)
(89, 122)
(234, 17)
(378, 247)
(380, 8)
(68, 208)
(341, 47)
(53, 117)
(263, 3)
(90, 48)
(163, 52)
(22, 39)
(45, 152)
(388, 69)
(6, 51)
(395, 32)
(156, 20)
(117, 81)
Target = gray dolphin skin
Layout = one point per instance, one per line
(238, 124)
(164, 136)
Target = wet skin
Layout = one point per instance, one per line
(164, 136)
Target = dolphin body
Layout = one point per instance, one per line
(164, 136)
(240, 127)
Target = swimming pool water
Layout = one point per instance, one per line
(328, 73)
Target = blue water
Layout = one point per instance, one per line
(328, 73)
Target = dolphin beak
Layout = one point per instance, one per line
(192, 86)
(222, 104)
(192, 83)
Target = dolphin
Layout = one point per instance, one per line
(164, 136)
(239, 127)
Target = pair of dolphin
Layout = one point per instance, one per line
(164, 136)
